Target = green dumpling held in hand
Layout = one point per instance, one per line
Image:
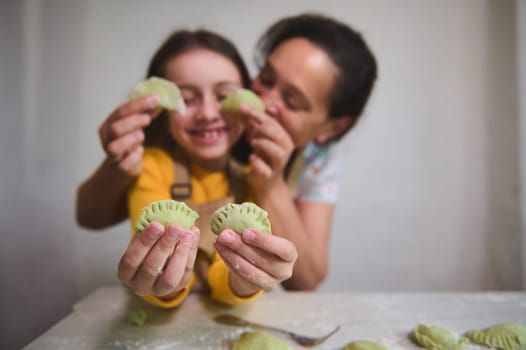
(232, 103)
(168, 93)
(166, 212)
(239, 217)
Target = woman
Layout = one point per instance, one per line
(194, 150)
(315, 79)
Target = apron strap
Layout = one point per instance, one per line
(181, 190)
(236, 180)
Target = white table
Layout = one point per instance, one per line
(100, 320)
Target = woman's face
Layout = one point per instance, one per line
(296, 84)
(205, 77)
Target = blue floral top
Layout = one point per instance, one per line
(320, 179)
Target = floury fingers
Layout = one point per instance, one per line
(239, 217)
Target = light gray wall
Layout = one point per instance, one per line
(521, 58)
(430, 198)
(38, 250)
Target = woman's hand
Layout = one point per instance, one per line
(159, 261)
(256, 260)
(122, 135)
(272, 147)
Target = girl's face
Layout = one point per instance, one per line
(296, 84)
(205, 77)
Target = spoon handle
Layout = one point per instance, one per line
(236, 321)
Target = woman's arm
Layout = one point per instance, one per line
(308, 225)
(101, 199)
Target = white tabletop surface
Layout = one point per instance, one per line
(100, 320)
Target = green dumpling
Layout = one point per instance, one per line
(436, 338)
(166, 212)
(364, 345)
(506, 336)
(232, 103)
(259, 341)
(239, 217)
(169, 95)
(137, 317)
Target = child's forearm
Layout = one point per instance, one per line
(242, 287)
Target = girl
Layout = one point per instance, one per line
(188, 158)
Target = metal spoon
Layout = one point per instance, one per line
(300, 339)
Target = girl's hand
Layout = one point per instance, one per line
(122, 135)
(272, 146)
(257, 260)
(159, 261)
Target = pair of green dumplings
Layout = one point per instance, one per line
(505, 336)
(170, 97)
(237, 217)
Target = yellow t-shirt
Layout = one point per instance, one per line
(153, 184)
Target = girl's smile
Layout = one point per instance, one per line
(205, 77)
(208, 136)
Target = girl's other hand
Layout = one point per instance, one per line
(257, 260)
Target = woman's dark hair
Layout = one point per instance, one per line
(179, 42)
(346, 48)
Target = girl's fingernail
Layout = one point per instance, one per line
(152, 99)
(226, 236)
(174, 233)
(244, 107)
(154, 231)
(187, 237)
(249, 235)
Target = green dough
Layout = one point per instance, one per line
(239, 217)
(233, 101)
(166, 212)
(436, 338)
(506, 336)
(137, 317)
(364, 345)
(168, 93)
(259, 341)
